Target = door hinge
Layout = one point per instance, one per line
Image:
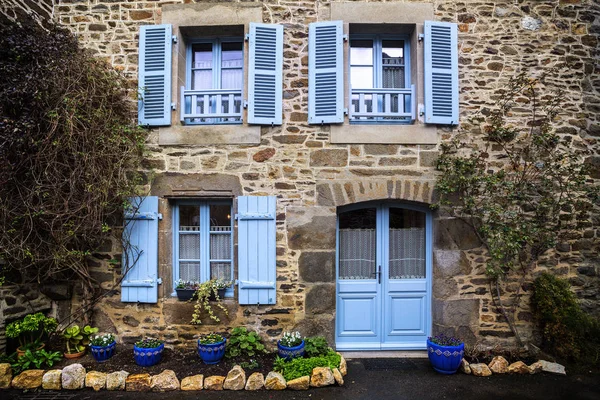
(174, 38)
(159, 281)
(421, 37)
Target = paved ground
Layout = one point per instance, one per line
(382, 379)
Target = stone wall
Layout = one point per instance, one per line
(311, 177)
(18, 301)
(40, 10)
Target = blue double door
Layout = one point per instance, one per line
(383, 277)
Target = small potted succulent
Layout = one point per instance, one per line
(211, 348)
(148, 351)
(186, 289)
(445, 353)
(30, 331)
(291, 345)
(77, 339)
(103, 347)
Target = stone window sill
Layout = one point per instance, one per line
(209, 134)
(384, 134)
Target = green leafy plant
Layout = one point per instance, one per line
(251, 364)
(187, 285)
(290, 339)
(77, 339)
(316, 346)
(204, 293)
(517, 183)
(567, 331)
(31, 330)
(38, 360)
(102, 340)
(298, 367)
(211, 338)
(244, 343)
(149, 343)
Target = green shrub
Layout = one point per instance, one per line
(38, 360)
(567, 331)
(244, 343)
(315, 346)
(297, 367)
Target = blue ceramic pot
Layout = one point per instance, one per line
(103, 353)
(147, 357)
(211, 353)
(445, 359)
(290, 352)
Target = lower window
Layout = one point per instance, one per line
(203, 243)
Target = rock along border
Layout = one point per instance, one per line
(75, 377)
(499, 365)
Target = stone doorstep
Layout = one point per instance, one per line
(348, 355)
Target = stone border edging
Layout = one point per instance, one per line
(499, 365)
(75, 377)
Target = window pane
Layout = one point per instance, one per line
(202, 57)
(220, 270)
(232, 62)
(361, 77)
(407, 244)
(361, 52)
(357, 238)
(220, 217)
(189, 246)
(220, 246)
(393, 64)
(189, 271)
(189, 218)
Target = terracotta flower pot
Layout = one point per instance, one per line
(74, 355)
(21, 352)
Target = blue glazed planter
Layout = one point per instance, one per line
(103, 353)
(147, 357)
(211, 353)
(445, 359)
(290, 352)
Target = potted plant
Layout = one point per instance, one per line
(211, 348)
(148, 352)
(30, 331)
(212, 290)
(185, 289)
(445, 353)
(103, 347)
(290, 345)
(77, 339)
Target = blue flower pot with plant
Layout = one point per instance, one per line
(291, 345)
(445, 353)
(148, 352)
(211, 348)
(103, 347)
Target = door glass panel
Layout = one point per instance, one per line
(357, 244)
(407, 244)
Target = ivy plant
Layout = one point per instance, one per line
(521, 186)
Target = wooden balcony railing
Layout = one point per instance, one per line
(211, 106)
(383, 104)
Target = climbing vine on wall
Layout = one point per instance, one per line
(69, 149)
(522, 187)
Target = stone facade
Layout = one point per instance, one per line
(311, 176)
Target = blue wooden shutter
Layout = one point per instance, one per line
(265, 74)
(256, 250)
(140, 260)
(325, 72)
(441, 73)
(154, 75)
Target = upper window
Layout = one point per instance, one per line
(380, 86)
(203, 243)
(214, 82)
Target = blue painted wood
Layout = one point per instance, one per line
(394, 314)
(140, 260)
(265, 87)
(441, 73)
(256, 250)
(154, 75)
(325, 72)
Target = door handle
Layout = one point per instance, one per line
(378, 274)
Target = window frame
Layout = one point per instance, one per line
(378, 39)
(217, 49)
(204, 238)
